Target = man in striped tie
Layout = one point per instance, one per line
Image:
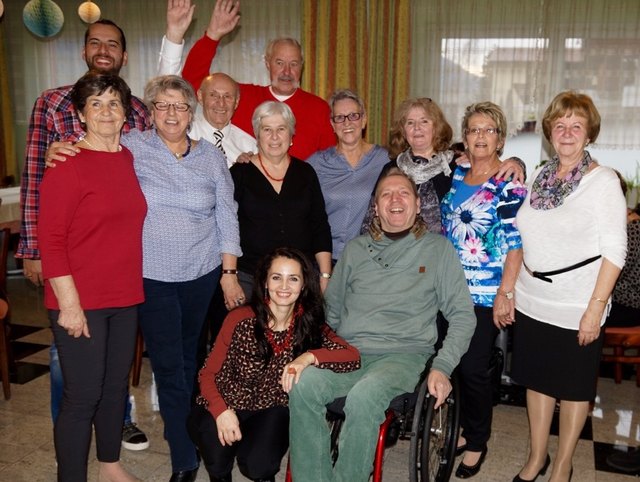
(218, 96)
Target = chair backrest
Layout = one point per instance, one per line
(5, 239)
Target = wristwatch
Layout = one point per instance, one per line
(507, 294)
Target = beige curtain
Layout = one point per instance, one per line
(520, 54)
(363, 45)
(8, 165)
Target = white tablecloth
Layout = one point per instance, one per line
(10, 208)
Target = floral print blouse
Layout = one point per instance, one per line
(483, 230)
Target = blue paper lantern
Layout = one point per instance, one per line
(43, 17)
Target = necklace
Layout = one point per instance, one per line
(95, 148)
(180, 155)
(484, 173)
(285, 344)
(267, 172)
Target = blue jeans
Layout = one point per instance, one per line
(171, 319)
(57, 383)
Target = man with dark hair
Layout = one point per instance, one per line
(54, 119)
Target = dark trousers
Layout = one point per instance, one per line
(216, 313)
(265, 440)
(171, 319)
(96, 374)
(476, 409)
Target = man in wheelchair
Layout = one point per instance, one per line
(383, 298)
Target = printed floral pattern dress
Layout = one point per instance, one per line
(483, 230)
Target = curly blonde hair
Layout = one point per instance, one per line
(442, 130)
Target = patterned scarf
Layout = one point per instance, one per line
(549, 191)
(421, 169)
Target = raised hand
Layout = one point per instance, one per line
(179, 16)
(224, 18)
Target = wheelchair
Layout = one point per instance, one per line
(432, 433)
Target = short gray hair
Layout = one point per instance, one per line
(346, 94)
(268, 53)
(169, 82)
(269, 108)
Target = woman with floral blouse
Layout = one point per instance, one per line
(478, 215)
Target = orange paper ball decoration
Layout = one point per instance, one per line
(89, 12)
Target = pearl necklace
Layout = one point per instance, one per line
(95, 148)
(267, 172)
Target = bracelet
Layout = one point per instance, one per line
(325, 275)
(230, 271)
(599, 299)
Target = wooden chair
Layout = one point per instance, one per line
(620, 340)
(5, 351)
(6, 360)
(5, 241)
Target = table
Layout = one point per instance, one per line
(10, 209)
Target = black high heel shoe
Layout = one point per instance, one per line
(184, 476)
(467, 471)
(542, 471)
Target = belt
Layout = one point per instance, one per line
(544, 275)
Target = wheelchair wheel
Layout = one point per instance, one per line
(434, 436)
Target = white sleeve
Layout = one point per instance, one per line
(170, 59)
(610, 209)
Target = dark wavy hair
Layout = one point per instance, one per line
(97, 83)
(308, 328)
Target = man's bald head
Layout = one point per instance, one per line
(219, 95)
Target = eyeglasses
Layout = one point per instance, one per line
(340, 118)
(178, 106)
(489, 131)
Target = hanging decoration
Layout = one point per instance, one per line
(89, 12)
(43, 18)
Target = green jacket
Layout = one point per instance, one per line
(384, 296)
